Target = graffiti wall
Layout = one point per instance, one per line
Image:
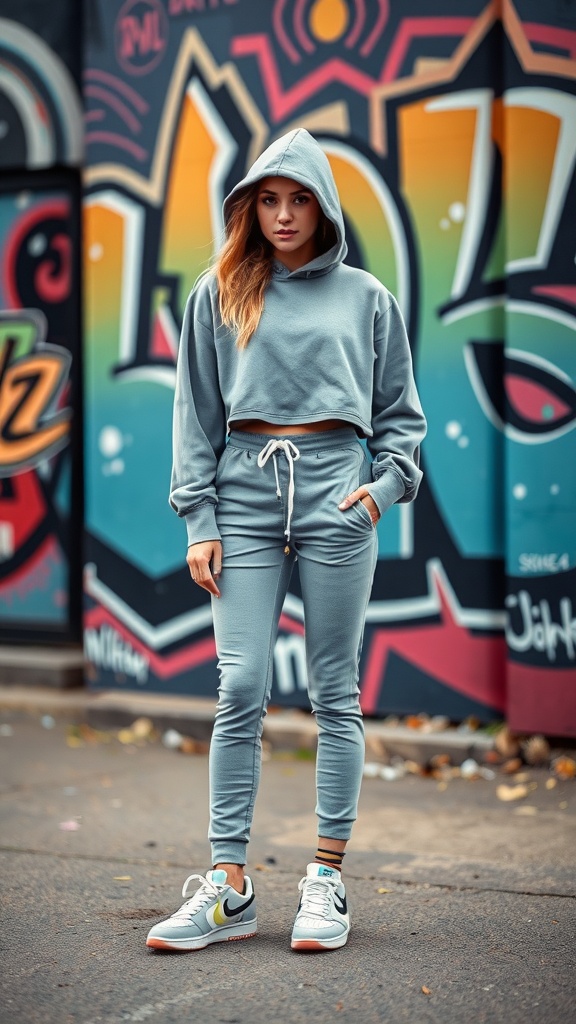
(40, 449)
(451, 136)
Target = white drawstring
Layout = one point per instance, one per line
(291, 452)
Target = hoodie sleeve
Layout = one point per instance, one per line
(398, 422)
(199, 426)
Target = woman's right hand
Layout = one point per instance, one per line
(199, 558)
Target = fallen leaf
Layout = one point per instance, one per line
(536, 750)
(384, 890)
(565, 767)
(122, 878)
(506, 744)
(507, 793)
(339, 1006)
(512, 766)
(143, 728)
(551, 783)
(522, 777)
(526, 809)
(427, 991)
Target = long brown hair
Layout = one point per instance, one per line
(244, 264)
(243, 267)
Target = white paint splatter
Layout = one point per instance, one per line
(453, 429)
(457, 212)
(555, 489)
(110, 441)
(37, 245)
(520, 491)
(96, 252)
(463, 441)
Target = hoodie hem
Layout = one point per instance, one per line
(270, 416)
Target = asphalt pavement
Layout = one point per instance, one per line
(463, 905)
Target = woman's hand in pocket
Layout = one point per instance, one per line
(205, 564)
(362, 494)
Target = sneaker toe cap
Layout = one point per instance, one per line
(306, 927)
(171, 930)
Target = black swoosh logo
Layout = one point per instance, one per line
(234, 911)
(340, 904)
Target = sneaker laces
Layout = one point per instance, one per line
(207, 891)
(316, 897)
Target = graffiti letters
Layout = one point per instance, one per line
(537, 629)
(141, 35)
(107, 649)
(32, 425)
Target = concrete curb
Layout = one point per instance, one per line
(284, 729)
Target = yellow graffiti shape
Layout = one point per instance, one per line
(329, 20)
(29, 430)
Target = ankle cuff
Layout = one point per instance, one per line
(229, 851)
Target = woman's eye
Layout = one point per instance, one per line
(267, 200)
(302, 200)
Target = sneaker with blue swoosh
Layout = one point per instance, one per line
(214, 913)
(322, 921)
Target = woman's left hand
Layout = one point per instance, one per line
(362, 494)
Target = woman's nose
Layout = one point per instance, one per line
(284, 214)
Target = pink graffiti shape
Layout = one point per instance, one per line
(283, 102)
(281, 35)
(105, 96)
(53, 277)
(468, 664)
(291, 625)
(356, 30)
(534, 402)
(559, 38)
(56, 209)
(376, 32)
(564, 292)
(411, 28)
(299, 28)
(113, 139)
(117, 83)
(94, 115)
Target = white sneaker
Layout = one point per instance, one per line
(322, 920)
(214, 913)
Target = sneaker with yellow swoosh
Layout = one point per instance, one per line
(214, 913)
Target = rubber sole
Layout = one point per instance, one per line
(180, 947)
(314, 945)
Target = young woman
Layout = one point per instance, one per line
(295, 355)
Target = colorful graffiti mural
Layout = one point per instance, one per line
(452, 142)
(41, 147)
(39, 333)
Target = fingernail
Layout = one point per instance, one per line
(342, 504)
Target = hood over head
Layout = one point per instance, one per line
(297, 155)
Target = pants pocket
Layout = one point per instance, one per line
(363, 512)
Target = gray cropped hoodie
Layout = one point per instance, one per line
(331, 344)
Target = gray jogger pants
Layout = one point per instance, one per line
(265, 488)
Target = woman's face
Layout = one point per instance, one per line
(288, 215)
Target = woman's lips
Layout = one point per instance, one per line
(284, 234)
